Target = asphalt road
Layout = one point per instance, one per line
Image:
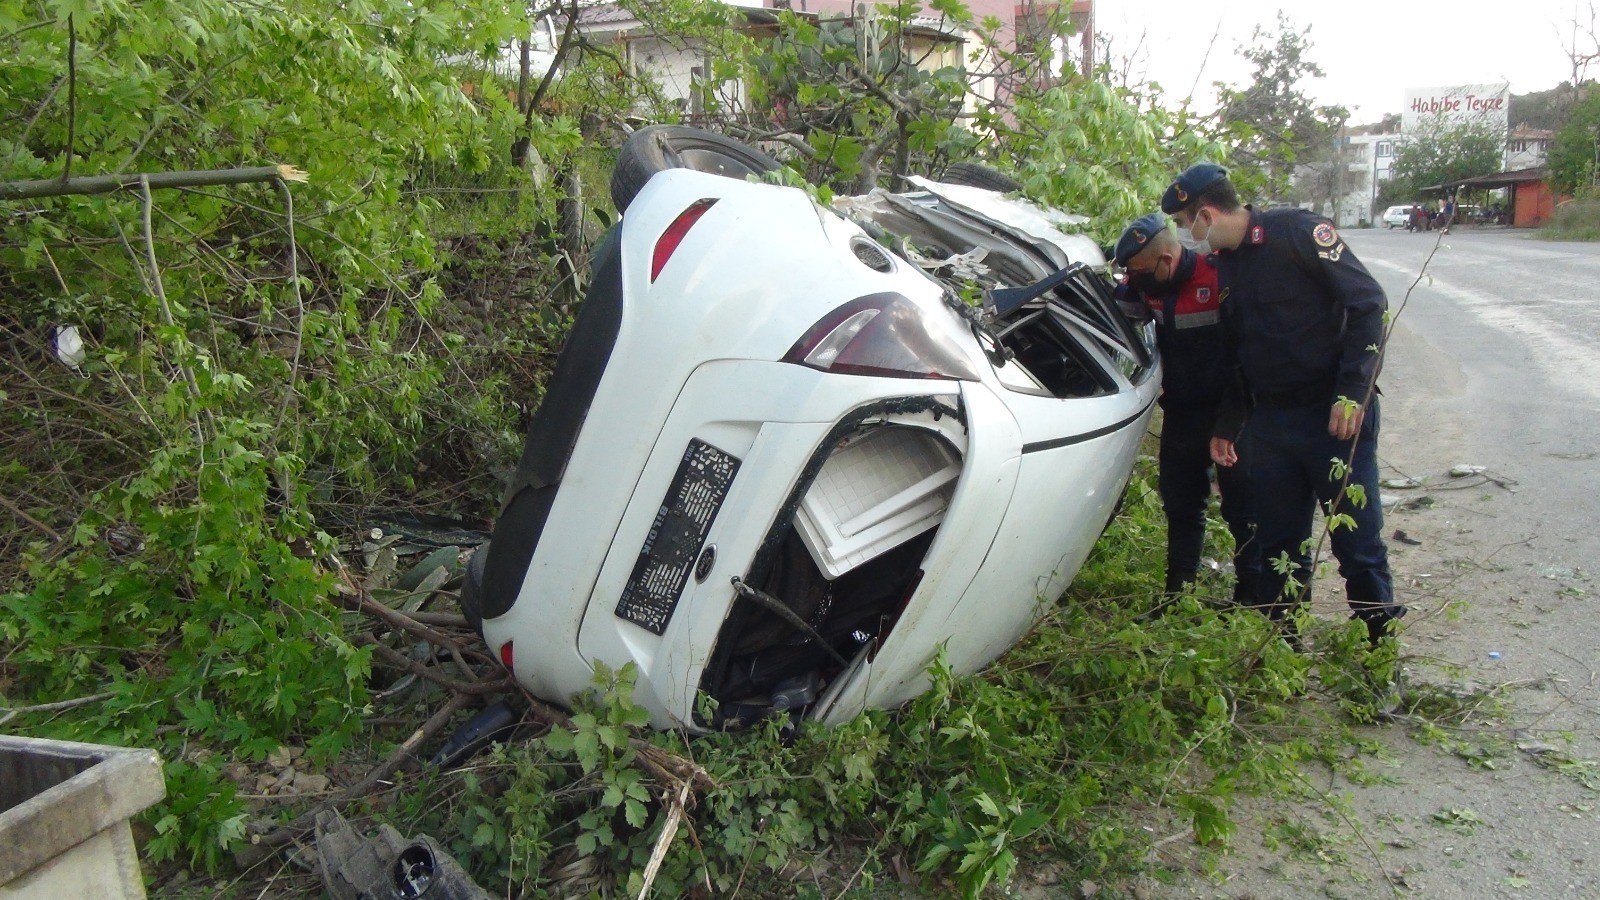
(1494, 361)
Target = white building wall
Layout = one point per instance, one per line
(1526, 153)
(1372, 161)
(671, 63)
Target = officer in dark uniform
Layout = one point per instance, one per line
(1304, 330)
(1178, 289)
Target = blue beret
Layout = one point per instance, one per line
(1188, 185)
(1135, 236)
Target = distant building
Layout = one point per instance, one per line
(1528, 147)
(1346, 191)
(1371, 150)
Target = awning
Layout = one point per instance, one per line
(1497, 180)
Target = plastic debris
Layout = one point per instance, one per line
(355, 867)
(69, 346)
(1464, 470)
(1401, 483)
(1494, 654)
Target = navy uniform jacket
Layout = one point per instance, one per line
(1189, 333)
(1303, 319)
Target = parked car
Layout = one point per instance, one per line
(782, 464)
(1397, 216)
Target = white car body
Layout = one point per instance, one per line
(991, 485)
(1397, 216)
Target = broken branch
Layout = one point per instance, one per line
(105, 184)
(400, 660)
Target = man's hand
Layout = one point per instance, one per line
(1222, 452)
(1344, 421)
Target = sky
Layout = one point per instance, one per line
(1370, 50)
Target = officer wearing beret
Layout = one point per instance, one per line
(1178, 289)
(1303, 325)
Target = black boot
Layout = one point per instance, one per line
(1244, 590)
(1379, 618)
(1180, 582)
(1176, 586)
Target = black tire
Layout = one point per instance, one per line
(980, 176)
(472, 587)
(656, 148)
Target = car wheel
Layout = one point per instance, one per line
(981, 176)
(656, 148)
(471, 586)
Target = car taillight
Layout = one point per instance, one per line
(886, 335)
(505, 656)
(667, 244)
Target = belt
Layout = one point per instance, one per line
(1307, 396)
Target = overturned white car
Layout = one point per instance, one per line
(781, 463)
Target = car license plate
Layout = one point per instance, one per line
(676, 536)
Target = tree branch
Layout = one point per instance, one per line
(72, 96)
(105, 184)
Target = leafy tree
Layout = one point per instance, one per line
(1325, 177)
(1272, 123)
(857, 98)
(1573, 155)
(242, 390)
(1548, 109)
(1087, 147)
(1442, 153)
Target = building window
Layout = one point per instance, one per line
(1386, 148)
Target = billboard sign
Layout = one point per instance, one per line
(1456, 105)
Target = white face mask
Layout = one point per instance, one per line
(1186, 237)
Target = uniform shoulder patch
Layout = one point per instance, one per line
(1325, 235)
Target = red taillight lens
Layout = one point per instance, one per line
(505, 656)
(668, 243)
(886, 335)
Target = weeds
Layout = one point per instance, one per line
(1101, 720)
(1576, 220)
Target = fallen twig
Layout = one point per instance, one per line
(264, 845)
(361, 601)
(441, 619)
(105, 184)
(668, 832)
(17, 510)
(57, 706)
(400, 660)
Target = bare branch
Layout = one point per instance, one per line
(105, 184)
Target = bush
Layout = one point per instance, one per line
(1575, 220)
(244, 393)
(1097, 722)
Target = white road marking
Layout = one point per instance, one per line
(1565, 354)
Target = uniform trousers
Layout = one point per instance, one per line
(1184, 482)
(1292, 471)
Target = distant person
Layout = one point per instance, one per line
(1178, 289)
(1304, 323)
